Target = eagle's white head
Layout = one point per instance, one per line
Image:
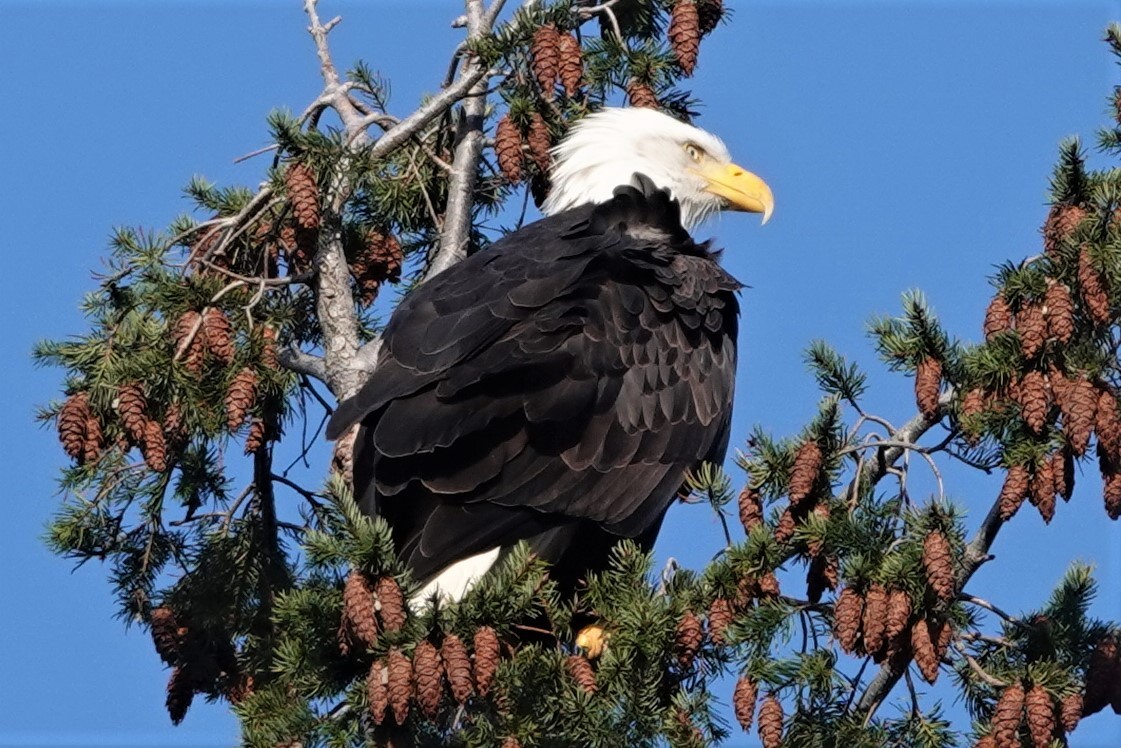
(605, 149)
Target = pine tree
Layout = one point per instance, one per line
(225, 329)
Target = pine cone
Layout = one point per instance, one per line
(1062, 473)
(154, 447)
(820, 576)
(165, 634)
(928, 386)
(939, 564)
(985, 741)
(511, 742)
(189, 345)
(1060, 312)
(571, 64)
(180, 694)
(400, 684)
(73, 418)
(429, 674)
(303, 193)
(486, 658)
(1092, 284)
(1079, 404)
(1102, 675)
(539, 142)
(255, 439)
(1062, 220)
(358, 608)
(1108, 423)
(641, 94)
(269, 357)
(709, 13)
(684, 34)
(998, 317)
(1043, 490)
(875, 619)
(784, 530)
(303, 248)
(457, 663)
(94, 441)
(1111, 482)
(768, 586)
(545, 56)
(971, 409)
(391, 603)
(751, 508)
(1032, 326)
(847, 614)
(720, 616)
(377, 690)
(1034, 402)
(1007, 715)
(922, 644)
(240, 397)
(384, 256)
(941, 634)
(743, 701)
(174, 427)
(133, 409)
(218, 335)
(581, 671)
(1017, 484)
(508, 149)
(770, 722)
(803, 474)
(1041, 716)
(898, 614)
(688, 638)
(1070, 711)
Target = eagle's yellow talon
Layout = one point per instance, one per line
(593, 640)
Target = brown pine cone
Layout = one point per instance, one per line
(571, 64)
(428, 671)
(255, 439)
(784, 530)
(1092, 284)
(1040, 712)
(1062, 473)
(820, 576)
(803, 474)
(269, 355)
(720, 616)
(768, 586)
(73, 418)
(133, 409)
(457, 663)
(94, 441)
(922, 644)
(1034, 402)
(377, 690)
(303, 193)
(1070, 711)
(1017, 484)
(1060, 312)
(928, 386)
(391, 603)
(180, 694)
(1111, 482)
(1062, 220)
(1032, 326)
(240, 397)
(1007, 715)
(1043, 490)
(400, 684)
(539, 142)
(641, 94)
(709, 13)
(898, 613)
(486, 658)
(770, 722)
(743, 701)
(304, 246)
(687, 638)
(545, 58)
(1107, 422)
(508, 149)
(751, 508)
(1102, 675)
(941, 634)
(174, 428)
(684, 34)
(998, 317)
(154, 447)
(985, 741)
(971, 409)
(581, 671)
(384, 256)
(938, 561)
(165, 634)
(358, 608)
(1079, 404)
(847, 614)
(875, 619)
(189, 344)
(218, 335)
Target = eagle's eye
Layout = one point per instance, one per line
(694, 152)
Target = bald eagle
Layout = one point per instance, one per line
(557, 387)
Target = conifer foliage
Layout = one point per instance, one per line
(262, 584)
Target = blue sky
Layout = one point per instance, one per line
(908, 145)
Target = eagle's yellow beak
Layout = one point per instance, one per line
(740, 187)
